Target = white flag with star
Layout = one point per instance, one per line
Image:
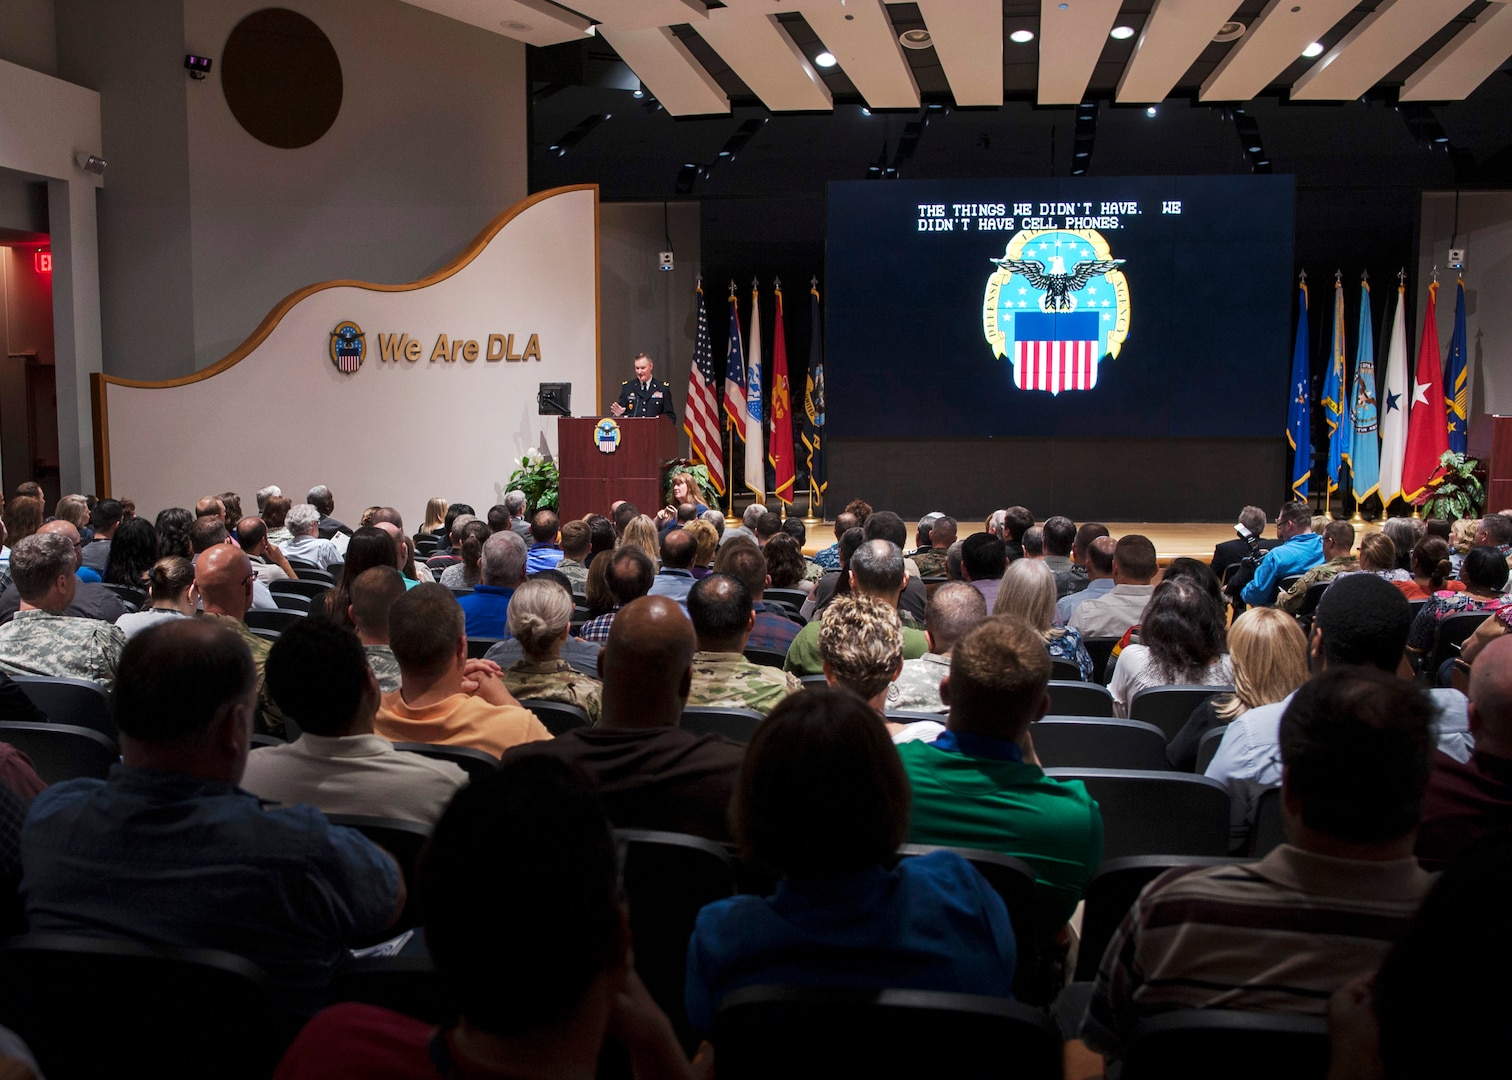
(1395, 402)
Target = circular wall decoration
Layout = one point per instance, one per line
(281, 78)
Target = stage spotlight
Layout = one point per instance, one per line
(1151, 111)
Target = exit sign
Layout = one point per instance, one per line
(43, 261)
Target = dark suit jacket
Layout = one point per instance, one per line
(1233, 551)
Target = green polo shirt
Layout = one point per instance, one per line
(803, 654)
(1010, 807)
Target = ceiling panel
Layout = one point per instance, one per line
(1072, 36)
(535, 22)
(1175, 33)
(968, 38)
(861, 38)
(640, 14)
(1273, 43)
(666, 67)
(1467, 61)
(1378, 43)
(760, 52)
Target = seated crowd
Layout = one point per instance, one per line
(894, 695)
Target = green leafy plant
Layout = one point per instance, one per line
(538, 478)
(1454, 492)
(700, 473)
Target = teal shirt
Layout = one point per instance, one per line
(803, 654)
(1013, 808)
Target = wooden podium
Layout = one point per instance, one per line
(591, 479)
(1499, 465)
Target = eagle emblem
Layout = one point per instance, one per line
(348, 347)
(1056, 326)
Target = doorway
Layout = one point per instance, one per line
(28, 378)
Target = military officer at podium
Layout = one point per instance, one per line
(643, 395)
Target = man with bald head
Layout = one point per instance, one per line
(1467, 800)
(42, 639)
(651, 773)
(268, 562)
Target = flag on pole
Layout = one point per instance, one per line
(734, 386)
(1332, 399)
(1364, 439)
(1427, 434)
(1393, 407)
(813, 401)
(1298, 408)
(1456, 382)
(701, 415)
(755, 460)
(780, 448)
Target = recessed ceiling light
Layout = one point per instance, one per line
(865, 111)
(915, 39)
(1442, 139)
(1021, 37)
(1315, 49)
(1254, 149)
(1151, 111)
(826, 60)
(1263, 161)
(1230, 31)
(1121, 33)
(513, 24)
(637, 93)
(1082, 153)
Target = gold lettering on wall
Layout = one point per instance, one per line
(495, 348)
(470, 351)
(533, 348)
(439, 352)
(412, 350)
(393, 347)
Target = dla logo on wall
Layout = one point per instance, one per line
(348, 347)
(1057, 305)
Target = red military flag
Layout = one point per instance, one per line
(780, 445)
(1427, 434)
(701, 416)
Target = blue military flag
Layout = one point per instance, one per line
(1299, 406)
(1456, 380)
(735, 372)
(813, 402)
(1332, 399)
(1365, 437)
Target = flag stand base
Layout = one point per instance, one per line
(1358, 521)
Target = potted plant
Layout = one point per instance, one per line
(1454, 492)
(538, 478)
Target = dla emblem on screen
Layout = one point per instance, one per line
(1057, 306)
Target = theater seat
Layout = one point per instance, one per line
(558, 716)
(766, 657)
(1156, 813)
(1267, 833)
(1080, 699)
(401, 839)
(1207, 749)
(1096, 743)
(62, 751)
(70, 701)
(279, 620)
(1170, 707)
(300, 587)
(808, 1031)
(469, 759)
(737, 724)
(1186, 1045)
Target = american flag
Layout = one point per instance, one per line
(701, 417)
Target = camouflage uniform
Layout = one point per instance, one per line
(273, 718)
(555, 680)
(931, 562)
(385, 667)
(61, 646)
(730, 681)
(917, 687)
(1290, 601)
(812, 571)
(576, 573)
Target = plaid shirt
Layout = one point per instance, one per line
(773, 631)
(596, 630)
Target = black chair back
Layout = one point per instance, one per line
(1112, 892)
(794, 598)
(405, 984)
(70, 701)
(305, 571)
(62, 751)
(299, 587)
(1251, 1045)
(1100, 649)
(1170, 707)
(92, 1007)
(279, 620)
(1080, 699)
(401, 839)
(288, 601)
(469, 759)
(668, 877)
(1207, 749)
(737, 724)
(477, 647)
(1453, 632)
(811, 1031)
(1064, 671)
(1095, 743)
(813, 680)
(558, 716)
(766, 657)
(134, 597)
(1156, 813)
(1267, 833)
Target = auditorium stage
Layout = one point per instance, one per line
(1172, 539)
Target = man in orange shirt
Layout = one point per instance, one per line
(444, 697)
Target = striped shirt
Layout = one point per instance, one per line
(1279, 935)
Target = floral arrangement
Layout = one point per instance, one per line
(537, 476)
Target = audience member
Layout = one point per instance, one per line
(303, 522)
(1300, 550)
(1495, 530)
(518, 505)
(42, 638)
(1283, 934)
(576, 543)
(978, 785)
(829, 558)
(1181, 643)
(461, 567)
(544, 552)
(1028, 590)
(104, 519)
(650, 772)
(1484, 574)
(749, 519)
(983, 561)
(1268, 655)
(1078, 578)
(628, 574)
(641, 532)
(1378, 557)
(1233, 552)
(1034, 542)
(876, 570)
(539, 614)
(210, 506)
(268, 560)
(1059, 538)
(707, 538)
(275, 515)
(786, 566)
(170, 596)
(767, 526)
(372, 594)
(886, 525)
(23, 515)
(675, 578)
(527, 848)
(369, 547)
(501, 570)
(1112, 613)
(832, 585)
(324, 502)
(1338, 542)
(318, 673)
(133, 550)
(1097, 575)
(723, 616)
(954, 608)
(861, 646)
(772, 630)
(1017, 520)
(170, 850)
(824, 804)
(1430, 569)
(1405, 534)
(931, 560)
(444, 697)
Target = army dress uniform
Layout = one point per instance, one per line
(555, 680)
(725, 680)
(651, 398)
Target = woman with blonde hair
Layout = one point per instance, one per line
(435, 517)
(1028, 590)
(641, 533)
(1268, 653)
(540, 614)
(708, 543)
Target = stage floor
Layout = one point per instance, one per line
(1172, 539)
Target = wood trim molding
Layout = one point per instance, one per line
(101, 420)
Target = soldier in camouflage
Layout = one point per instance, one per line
(931, 560)
(40, 639)
(373, 593)
(224, 576)
(576, 543)
(953, 610)
(539, 614)
(722, 613)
